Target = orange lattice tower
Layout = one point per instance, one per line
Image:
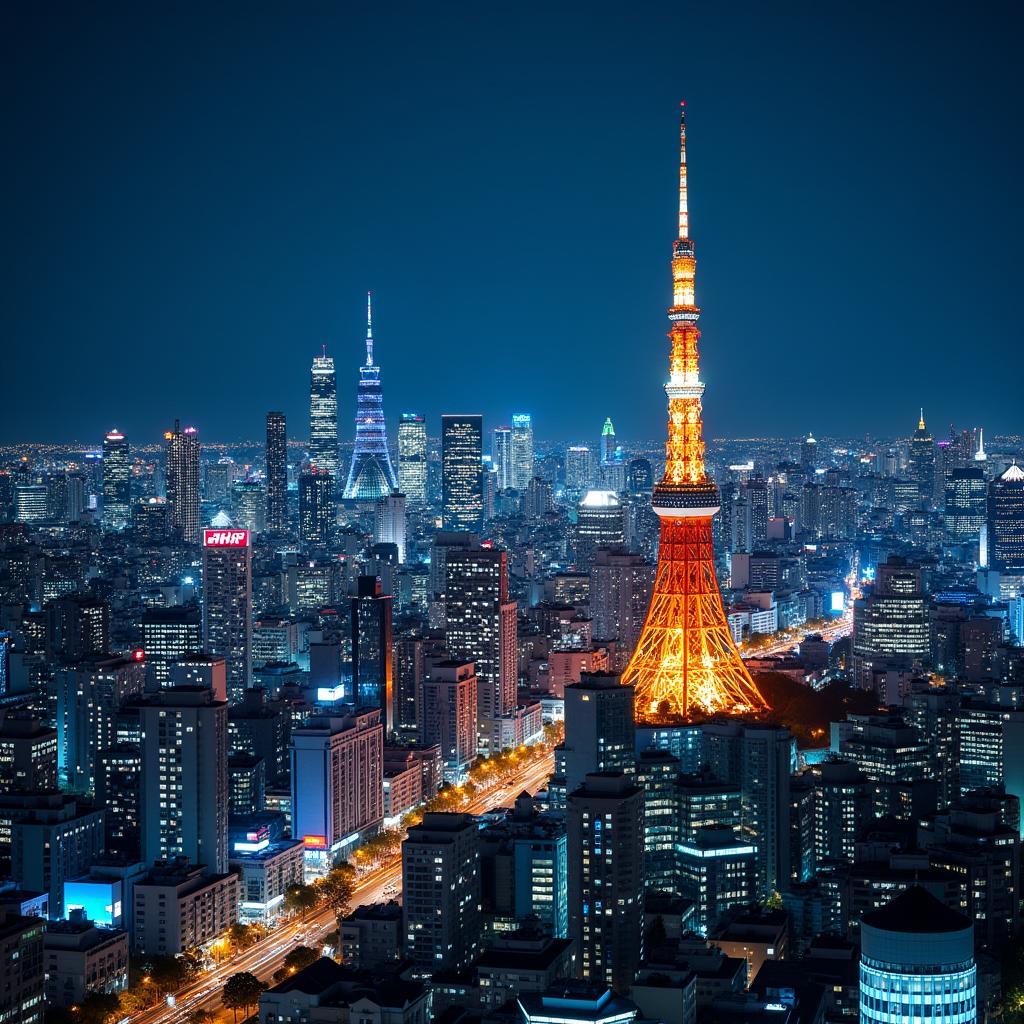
(686, 665)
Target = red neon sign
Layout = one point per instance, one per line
(225, 538)
(315, 842)
(138, 654)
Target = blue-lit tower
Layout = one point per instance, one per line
(370, 476)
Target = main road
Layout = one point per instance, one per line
(380, 884)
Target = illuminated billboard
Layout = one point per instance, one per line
(225, 538)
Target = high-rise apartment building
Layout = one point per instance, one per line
(389, 524)
(184, 807)
(621, 584)
(323, 415)
(480, 626)
(606, 880)
(277, 472)
(167, 635)
(521, 451)
(372, 649)
(462, 484)
(89, 695)
(227, 604)
(370, 475)
(316, 507)
(412, 457)
(448, 715)
(28, 756)
(21, 952)
(441, 892)
(600, 523)
(117, 480)
(337, 783)
(182, 472)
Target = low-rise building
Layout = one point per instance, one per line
(81, 959)
(266, 870)
(371, 936)
(21, 954)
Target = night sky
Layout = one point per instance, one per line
(193, 203)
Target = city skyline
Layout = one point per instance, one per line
(237, 268)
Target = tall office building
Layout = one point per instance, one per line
(606, 880)
(600, 523)
(183, 482)
(167, 635)
(686, 662)
(917, 963)
(184, 810)
(480, 625)
(370, 475)
(372, 649)
(323, 415)
(28, 752)
(448, 715)
(501, 456)
(579, 469)
(921, 461)
(412, 457)
(521, 453)
(227, 604)
(316, 507)
(77, 625)
(1006, 522)
(462, 498)
(389, 524)
(117, 480)
(966, 502)
(277, 473)
(607, 442)
(890, 623)
(337, 772)
(441, 892)
(717, 871)
(809, 453)
(31, 503)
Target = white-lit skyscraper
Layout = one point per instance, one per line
(522, 451)
(323, 415)
(183, 482)
(412, 458)
(277, 472)
(579, 468)
(462, 472)
(501, 456)
(117, 477)
(389, 526)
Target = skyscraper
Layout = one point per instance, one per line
(448, 716)
(371, 649)
(227, 604)
(370, 476)
(521, 451)
(316, 507)
(921, 461)
(389, 525)
(966, 502)
(606, 879)
(117, 478)
(323, 415)
(809, 453)
(686, 662)
(462, 502)
(480, 625)
(1006, 522)
(412, 458)
(607, 441)
(167, 635)
(277, 473)
(184, 810)
(579, 469)
(183, 482)
(501, 456)
(600, 522)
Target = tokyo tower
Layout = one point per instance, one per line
(686, 665)
(370, 476)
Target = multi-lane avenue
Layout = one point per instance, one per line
(267, 956)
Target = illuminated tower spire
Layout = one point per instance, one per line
(369, 328)
(685, 664)
(920, 422)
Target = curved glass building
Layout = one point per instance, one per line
(917, 963)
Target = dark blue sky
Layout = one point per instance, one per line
(193, 202)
